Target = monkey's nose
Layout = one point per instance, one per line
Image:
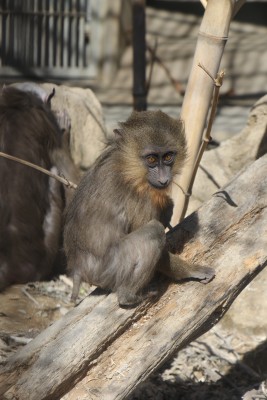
(164, 183)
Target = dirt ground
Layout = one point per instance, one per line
(224, 363)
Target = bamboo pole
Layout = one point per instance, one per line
(212, 37)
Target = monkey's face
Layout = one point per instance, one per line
(159, 162)
(151, 150)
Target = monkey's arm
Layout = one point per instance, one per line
(176, 268)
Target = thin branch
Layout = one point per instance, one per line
(152, 62)
(176, 84)
(24, 291)
(61, 179)
(238, 5)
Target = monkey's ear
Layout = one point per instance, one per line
(118, 133)
(50, 96)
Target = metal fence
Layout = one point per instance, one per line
(46, 38)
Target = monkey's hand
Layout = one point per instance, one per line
(63, 120)
(176, 268)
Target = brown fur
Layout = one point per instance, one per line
(31, 203)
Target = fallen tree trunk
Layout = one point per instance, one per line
(111, 350)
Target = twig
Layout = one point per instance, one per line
(218, 81)
(152, 62)
(177, 86)
(24, 291)
(20, 340)
(67, 281)
(65, 181)
(225, 357)
(186, 194)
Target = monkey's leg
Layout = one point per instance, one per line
(53, 220)
(135, 259)
(76, 286)
(176, 268)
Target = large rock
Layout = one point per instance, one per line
(219, 165)
(88, 132)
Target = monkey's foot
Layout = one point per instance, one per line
(128, 299)
(202, 274)
(133, 299)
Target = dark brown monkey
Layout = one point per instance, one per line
(31, 203)
(114, 227)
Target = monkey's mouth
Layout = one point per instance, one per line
(160, 185)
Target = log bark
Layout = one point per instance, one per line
(111, 350)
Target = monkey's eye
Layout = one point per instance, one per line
(151, 160)
(168, 158)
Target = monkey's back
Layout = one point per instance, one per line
(27, 131)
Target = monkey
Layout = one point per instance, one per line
(114, 226)
(60, 156)
(31, 203)
(34, 88)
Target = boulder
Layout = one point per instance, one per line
(88, 131)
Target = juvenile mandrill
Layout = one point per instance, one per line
(114, 226)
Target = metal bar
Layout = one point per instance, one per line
(87, 32)
(61, 33)
(35, 35)
(50, 34)
(25, 50)
(65, 34)
(10, 50)
(44, 13)
(56, 27)
(15, 32)
(1, 35)
(39, 33)
(43, 35)
(80, 35)
(139, 55)
(46, 34)
(72, 36)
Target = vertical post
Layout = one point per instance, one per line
(139, 55)
(212, 38)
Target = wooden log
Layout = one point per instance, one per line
(111, 350)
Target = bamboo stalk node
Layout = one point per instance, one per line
(213, 37)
